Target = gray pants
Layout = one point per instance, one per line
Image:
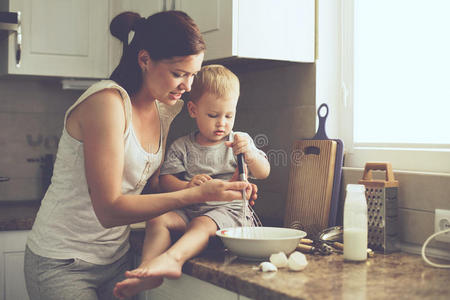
(71, 279)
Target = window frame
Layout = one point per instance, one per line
(407, 157)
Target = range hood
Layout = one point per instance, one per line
(10, 21)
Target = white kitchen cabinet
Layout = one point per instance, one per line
(259, 29)
(59, 38)
(188, 288)
(12, 279)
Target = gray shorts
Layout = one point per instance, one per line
(72, 279)
(224, 215)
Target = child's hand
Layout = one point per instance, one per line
(198, 179)
(242, 145)
(252, 193)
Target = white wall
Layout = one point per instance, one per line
(328, 74)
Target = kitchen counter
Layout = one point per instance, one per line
(16, 224)
(18, 215)
(393, 276)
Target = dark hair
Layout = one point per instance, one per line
(164, 35)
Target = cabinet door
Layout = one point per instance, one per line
(144, 8)
(12, 280)
(263, 29)
(187, 288)
(279, 30)
(66, 38)
(215, 20)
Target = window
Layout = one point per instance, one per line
(396, 77)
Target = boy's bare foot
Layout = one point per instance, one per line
(163, 265)
(148, 276)
(131, 286)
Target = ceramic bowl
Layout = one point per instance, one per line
(258, 243)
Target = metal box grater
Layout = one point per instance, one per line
(382, 213)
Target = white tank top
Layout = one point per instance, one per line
(66, 225)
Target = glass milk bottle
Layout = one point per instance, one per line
(355, 223)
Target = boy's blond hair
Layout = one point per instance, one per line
(214, 79)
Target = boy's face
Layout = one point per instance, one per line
(214, 117)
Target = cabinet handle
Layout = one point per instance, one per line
(18, 41)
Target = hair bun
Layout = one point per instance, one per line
(123, 23)
(138, 24)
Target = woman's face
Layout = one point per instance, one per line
(167, 79)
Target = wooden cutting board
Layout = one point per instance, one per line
(310, 185)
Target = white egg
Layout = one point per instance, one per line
(297, 261)
(279, 259)
(267, 267)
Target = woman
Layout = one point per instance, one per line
(113, 141)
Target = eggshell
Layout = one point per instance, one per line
(267, 267)
(297, 261)
(279, 259)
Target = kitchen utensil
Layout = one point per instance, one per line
(311, 181)
(326, 242)
(241, 163)
(339, 162)
(242, 177)
(381, 196)
(249, 216)
(331, 235)
(258, 243)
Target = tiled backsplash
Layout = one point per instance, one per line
(31, 120)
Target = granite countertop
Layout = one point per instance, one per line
(18, 215)
(392, 276)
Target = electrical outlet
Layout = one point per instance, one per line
(442, 222)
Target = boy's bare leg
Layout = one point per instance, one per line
(157, 240)
(169, 263)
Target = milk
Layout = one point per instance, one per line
(355, 223)
(355, 244)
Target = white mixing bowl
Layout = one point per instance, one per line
(258, 243)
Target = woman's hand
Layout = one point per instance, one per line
(199, 179)
(220, 190)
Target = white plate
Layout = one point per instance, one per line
(258, 243)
